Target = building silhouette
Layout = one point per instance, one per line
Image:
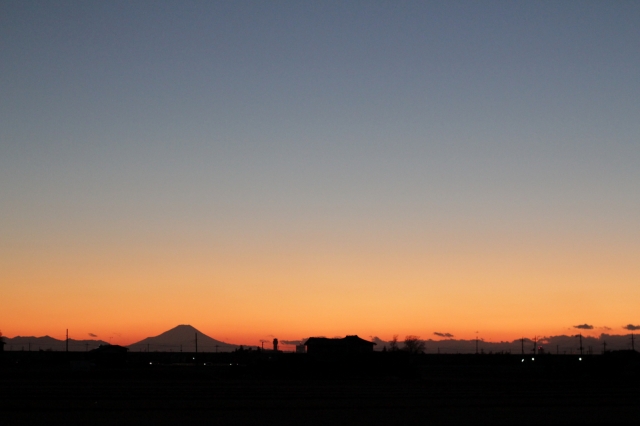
(346, 345)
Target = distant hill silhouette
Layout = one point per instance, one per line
(563, 344)
(181, 337)
(47, 343)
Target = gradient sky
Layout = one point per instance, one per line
(319, 168)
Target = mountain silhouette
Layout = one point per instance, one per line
(47, 343)
(181, 338)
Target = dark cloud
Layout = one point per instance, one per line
(448, 335)
(631, 327)
(584, 326)
(93, 335)
(605, 327)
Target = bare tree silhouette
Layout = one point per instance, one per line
(393, 344)
(413, 344)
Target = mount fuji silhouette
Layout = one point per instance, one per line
(181, 338)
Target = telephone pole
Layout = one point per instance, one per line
(67, 341)
(580, 335)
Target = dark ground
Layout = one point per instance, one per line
(284, 389)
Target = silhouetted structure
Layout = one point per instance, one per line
(346, 345)
(109, 354)
(275, 345)
(2, 343)
(581, 348)
(110, 349)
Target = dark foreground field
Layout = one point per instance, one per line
(297, 390)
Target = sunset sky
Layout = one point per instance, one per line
(296, 169)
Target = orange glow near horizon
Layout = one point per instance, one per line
(502, 290)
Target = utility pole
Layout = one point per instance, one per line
(67, 341)
(580, 335)
(535, 345)
(476, 343)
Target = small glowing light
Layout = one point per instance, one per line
(533, 359)
(579, 359)
(194, 357)
(150, 363)
(522, 359)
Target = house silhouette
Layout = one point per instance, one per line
(345, 345)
